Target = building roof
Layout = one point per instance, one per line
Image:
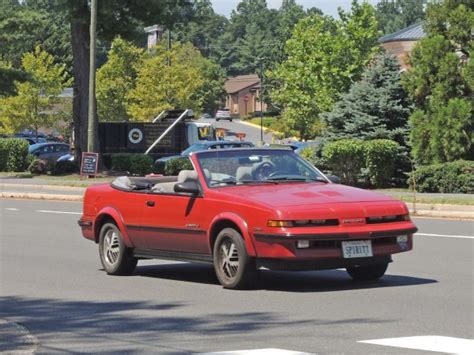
(413, 32)
(238, 83)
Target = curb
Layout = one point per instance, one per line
(43, 187)
(39, 196)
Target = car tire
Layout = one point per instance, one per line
(115, 257)
(367, 272)
(230, 120)
(217, 119)
(234, 268)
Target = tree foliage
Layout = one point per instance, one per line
(116, 78)
(375, 107)
(324, 57)
(173, 79)
(440, 84)
(32, 105)
(394, 15)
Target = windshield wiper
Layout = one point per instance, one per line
(268, 181)
(297, 178)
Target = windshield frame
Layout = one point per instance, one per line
(196, 157)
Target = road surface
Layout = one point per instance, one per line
(56, 298)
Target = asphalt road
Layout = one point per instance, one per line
(252, 134)
(55, 295)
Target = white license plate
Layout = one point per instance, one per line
(357, 249)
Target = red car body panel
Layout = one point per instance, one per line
(181, 223)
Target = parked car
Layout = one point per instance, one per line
(223, 114)
(202, 145)
(49, 151)
(242, 209)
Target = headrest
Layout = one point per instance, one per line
(243, 173)
(187, 176)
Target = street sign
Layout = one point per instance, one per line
(89, 163)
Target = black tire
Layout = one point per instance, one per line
(115, 257)
(230, 120)
(367, 272)
(230, 248)
(217, 119)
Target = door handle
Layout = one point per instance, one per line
(150, 203)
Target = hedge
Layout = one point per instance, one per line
(13, 154)
(345, 158)
(133, 164)
(453, 177)
(174, 166)
(367, 163)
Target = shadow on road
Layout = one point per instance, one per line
(91, 326)
(307, 281)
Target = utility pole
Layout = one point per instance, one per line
(261, 100)
(91, 112)
(169, 47)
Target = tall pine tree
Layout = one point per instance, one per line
(376, 107)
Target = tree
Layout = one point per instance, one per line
(324, 57)
(170, 79)
(250, 39)
(376, 107)
(116, 78)
(31, 107)
(394, 15)
(440, 85)
(118, 17)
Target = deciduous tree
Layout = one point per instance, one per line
(31, 107)
(324, 57)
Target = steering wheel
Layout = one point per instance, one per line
(264, 170)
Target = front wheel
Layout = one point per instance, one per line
(367, 272)
(115, 257)
(234, 268)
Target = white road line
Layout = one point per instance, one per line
(259, 352)
(445, 235)
(11, 209)
(428, 343)
(58, 212)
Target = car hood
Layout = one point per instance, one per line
(301, 194)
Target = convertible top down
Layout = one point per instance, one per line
(242, 209)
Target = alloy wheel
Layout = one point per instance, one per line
(229, 258)
(111, 247)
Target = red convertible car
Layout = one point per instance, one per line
(242, 209)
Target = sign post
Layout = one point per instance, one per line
(89, 164)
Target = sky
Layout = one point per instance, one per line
(328, 7)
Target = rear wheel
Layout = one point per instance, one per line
(234, 268)
(115, 257)
(367, 272)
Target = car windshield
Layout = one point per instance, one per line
(255, 166)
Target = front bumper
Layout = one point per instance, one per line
(328, 246)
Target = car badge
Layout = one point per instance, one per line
(353, 221)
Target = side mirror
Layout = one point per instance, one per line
(335, 179)
(190, 187)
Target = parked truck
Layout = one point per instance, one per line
(169, 133)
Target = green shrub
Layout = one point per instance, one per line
(133, 164)
(453, 177)
(174, 166)
(13, 154)
(38, 167)
(381, 156)
(345, 158)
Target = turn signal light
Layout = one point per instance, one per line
(273, 223)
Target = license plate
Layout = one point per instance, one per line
(357, 249)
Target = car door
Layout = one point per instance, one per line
(174, 222)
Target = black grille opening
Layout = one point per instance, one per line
(385, 219)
